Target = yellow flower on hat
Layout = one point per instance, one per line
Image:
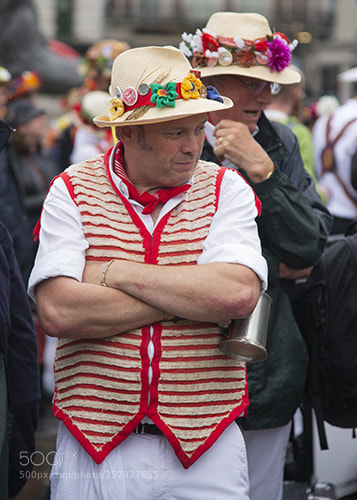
(190, 87)
(116, 108)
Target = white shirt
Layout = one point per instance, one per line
(338, 203)
(233, 235)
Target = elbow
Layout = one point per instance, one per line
(55, 307)
(51, 322)
(244, 307)
(245, 302)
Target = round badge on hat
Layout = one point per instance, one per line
(203, 91)
(225, 58)
(130, 96)
(118, 93)
(143, 89)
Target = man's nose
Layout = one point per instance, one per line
(191, 143)
(264, 95)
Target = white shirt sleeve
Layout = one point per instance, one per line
(62, 245)
(233, 235)
(232, 238)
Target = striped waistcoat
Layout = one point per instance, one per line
(102, 385)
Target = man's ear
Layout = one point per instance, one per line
(126, 134)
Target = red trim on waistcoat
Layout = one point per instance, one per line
(98, 456)
(154, 393)
(144, 373)
(258, 203)
(181, 455)
(219, 184)
(67, 181)
(69, 185)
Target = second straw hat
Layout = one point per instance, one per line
(241, 44)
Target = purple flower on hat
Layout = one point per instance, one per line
(280, 55)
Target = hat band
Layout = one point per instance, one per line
(157, 95)
(207, 49)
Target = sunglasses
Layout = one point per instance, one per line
(257, 86)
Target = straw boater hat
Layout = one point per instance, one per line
(156, 84)
(241, 44)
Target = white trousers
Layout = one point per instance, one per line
(266, 452)
(145, 467)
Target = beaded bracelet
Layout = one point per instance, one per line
(104, 273)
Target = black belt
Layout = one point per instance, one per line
(147, 429)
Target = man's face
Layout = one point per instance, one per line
(28, 138)
(165, 154)
(249, 96)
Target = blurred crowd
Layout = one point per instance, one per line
(41, 146)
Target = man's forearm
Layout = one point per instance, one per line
(216, 292)
(69, 309)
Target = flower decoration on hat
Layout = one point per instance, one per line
(116, 108)
(208, 49)
(158, 95)
(116, 104)
(164, 95)
(190, 87)
(280, 52)
(24, 85)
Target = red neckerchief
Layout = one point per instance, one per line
(150, 201)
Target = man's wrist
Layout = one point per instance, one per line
(103, 280)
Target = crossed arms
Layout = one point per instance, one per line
(142, 294)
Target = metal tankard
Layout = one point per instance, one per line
(245, 338)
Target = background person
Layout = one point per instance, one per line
(95, 69)
(141, 384)
(292, 225)
(32, 164)
(27, 169)
(286, 107)
(335, 177)
(19, 371)
(90, 140)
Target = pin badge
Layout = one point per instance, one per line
(130, 96)
(143, 89)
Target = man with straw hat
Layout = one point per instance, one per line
(147, 401)
(244, 60)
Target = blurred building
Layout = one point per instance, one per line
(326, 29)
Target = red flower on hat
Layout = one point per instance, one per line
(198, 59)
(209, 42)
(246, 58)
(261, 46)
(282, 36)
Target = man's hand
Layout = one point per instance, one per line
(235, 143)
(294, 274)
